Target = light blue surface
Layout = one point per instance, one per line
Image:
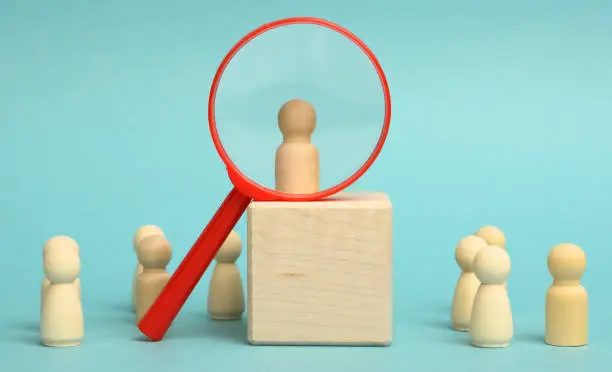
(502, 116)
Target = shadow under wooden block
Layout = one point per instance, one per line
(320, 273)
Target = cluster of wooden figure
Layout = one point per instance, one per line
(62, 322)
(481, 304)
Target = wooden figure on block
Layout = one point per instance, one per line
(154, 254)
(297, 159)
(320, 273)
(62, 314)
(491, 325)
(141, 233)
(493, 236)
(225, 293)
(468, 283)
(566, 299)
(54, 244)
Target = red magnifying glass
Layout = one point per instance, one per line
(168, 304)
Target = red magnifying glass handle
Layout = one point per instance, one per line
(166, 307)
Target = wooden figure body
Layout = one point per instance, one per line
(62, 314)
(493, 236)
(226, 293)
(154, 254)
(468, 283)
(491, 323)
(44, 288)
(54, 244)
(141, 233)
(566, 298)
(297, 159)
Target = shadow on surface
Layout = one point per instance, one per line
(451, 337)
(116, 311)
(120, 307)
(26, 326)
(123, 319)
(438, 324)
(27, 339)
(438, 329)
(456, 341)
(199, 325)
(531, 338)
(143, 339)
(22, 332)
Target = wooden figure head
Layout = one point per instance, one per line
(58, 242)
(466, 251)
(297, 120)
(492, 235)
(62, 264)
(492, 265)
(155, 252)
(143, 232)
(566, 262)
(231, 249)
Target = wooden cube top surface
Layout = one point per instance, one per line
(342, 200)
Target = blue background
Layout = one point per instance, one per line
(501, 116)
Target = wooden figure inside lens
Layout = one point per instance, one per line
(297, 159)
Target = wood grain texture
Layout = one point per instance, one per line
(320, 273)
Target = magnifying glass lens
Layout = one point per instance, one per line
(299, 109)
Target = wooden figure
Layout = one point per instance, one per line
(468, 283)
(141, 233)
(493, 236)
(225, 293)
(491, 324)
(297, 159)
(62, 314)
(320, 273)
(54, 244)
(566, 299)
(154, 253)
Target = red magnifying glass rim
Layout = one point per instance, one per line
(255, 190)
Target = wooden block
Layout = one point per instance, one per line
(320, 273)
